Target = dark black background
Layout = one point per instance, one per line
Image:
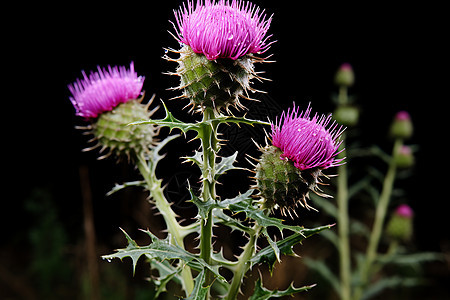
(397, 53)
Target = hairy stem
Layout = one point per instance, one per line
(380, 214)
(175, 230)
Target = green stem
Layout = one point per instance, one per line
(175, 230)
(343, 230)
(210, 149)
(244, 263)
(343, 218)
(380, 214)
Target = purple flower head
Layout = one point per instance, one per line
(402, 116)
(404, 210)
(346, 67)
(306, 141)
(103, 90)
(223, 29)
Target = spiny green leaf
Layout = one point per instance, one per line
(169, 121)
(267, 255)
(172, 122)
(167, 273)
(220, 259)
(205, 206)
(245, 204)
(197, 158)
(155, 156)
(239, 120)
(239, 198)
(261, 293)
(222, 218)
(153, 159)
(119, 187)
(225, 164)
(272, 244)
(162, 250)
(252, 212)
(199, 292)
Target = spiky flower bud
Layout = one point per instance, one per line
(292, 166)
(345, 76)
(216, 63)
(400, 226)
(110, 99)
(401, 126)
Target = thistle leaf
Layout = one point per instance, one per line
(222, 218)
(119, 187)
(239, 120)
(226, 164)
(199, 292)
(167, 273)
(268, 255)
(246, 205)
(155, 157)
(238, 199)
(261, 293)
(197, 158)
(203, 206)
(168, 121)
(161, 250)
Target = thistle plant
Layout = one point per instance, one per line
(362, 274)
(220, 44)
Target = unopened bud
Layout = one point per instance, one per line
(404, 158)
(400, 226)
(345, 76)
(402, 126)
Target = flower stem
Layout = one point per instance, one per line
(210, 146)
(343, 218)
(380, 214)
(175, 230)
(244, 264)
(343, 230)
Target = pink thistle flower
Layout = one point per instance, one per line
(306, 141)
(223, 30)
(405, 211)
(103, 90)
(402, 116)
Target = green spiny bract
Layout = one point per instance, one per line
(111, 132)
(214, 83)
(281, 184)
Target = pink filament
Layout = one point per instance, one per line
(307, 141)
(223, 30)
(103, 90)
